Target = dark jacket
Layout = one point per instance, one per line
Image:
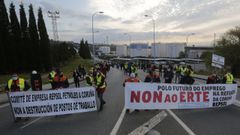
(36, 82)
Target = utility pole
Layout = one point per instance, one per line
(214, 39)
(54, 15)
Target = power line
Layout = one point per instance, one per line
(54, 15)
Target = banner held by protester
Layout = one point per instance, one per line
(177, 96)
(53, 102)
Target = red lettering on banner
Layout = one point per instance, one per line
(198, 96)
(205, 96)
(146, 96)
(135, 97)
(174, 98)
(190, 97)
(157, 96)
(182, 97)
(167, 98)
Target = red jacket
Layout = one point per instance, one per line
(131, 79)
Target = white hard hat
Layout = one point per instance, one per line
(34, 72)
(132, 75)
(14, 77)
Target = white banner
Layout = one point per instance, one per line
(53, 102)
(177, 96)
(219, 60)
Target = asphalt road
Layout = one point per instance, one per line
(220, 121)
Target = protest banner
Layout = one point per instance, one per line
(177, 96)
(53, 102)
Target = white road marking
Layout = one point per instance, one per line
(4, 105)
(30, 123)
(147, 126)
(189, 131)
(117, 125)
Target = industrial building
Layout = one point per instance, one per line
(139, 50)
(170, 50)
(104, 50)
(121, 50)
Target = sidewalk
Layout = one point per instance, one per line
(4, 97)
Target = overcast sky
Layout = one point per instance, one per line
(174, 19)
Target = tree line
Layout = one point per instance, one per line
(84, 50)
(25, 44)
(228, 46)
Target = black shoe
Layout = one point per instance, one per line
(104, 102)
(128, 110)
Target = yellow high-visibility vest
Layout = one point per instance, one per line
(229, 78)
(183, 71)
(21, 84)
(91, 80)
(52, 75)
(99, 80)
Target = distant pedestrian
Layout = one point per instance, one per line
(100, 87)
(36, 81)
(213, 79)
(51, 75)
(152, 77)
(76, 78)
(228, 78)
(168, 75)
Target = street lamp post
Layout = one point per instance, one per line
(130, 37)
(154, 36)
(187, 37)
(100, 12)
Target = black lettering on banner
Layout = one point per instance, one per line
(215, 99)
(39, 97)
(17, 99)
(216, 93)
(219, 104)
(65, 107)
(86, 94)
(75, 106)
(86, 105)
(39, 109)
(28, 98)
(17, 110)
(55, 108)
(23, 110)
(196, 88)
(70, 95)
(55, 96)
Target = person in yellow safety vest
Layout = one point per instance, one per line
(89, 78)
(183, 70)
(16, 84)
(100, 88)
(177, 73)
(188, 79)
(228, 78)
(51, 77)
(125, 68)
